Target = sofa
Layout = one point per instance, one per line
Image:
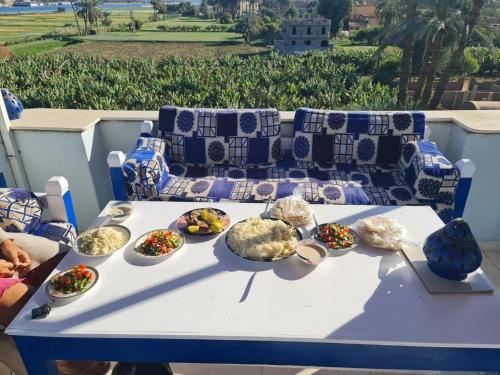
(49, 214)
(371, 158)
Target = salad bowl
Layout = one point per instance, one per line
(81, 278)
(146, 249)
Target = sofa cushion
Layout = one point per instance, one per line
(20, 210)
(221, 137)
(354, 138)
(322, 183)
(57, 231)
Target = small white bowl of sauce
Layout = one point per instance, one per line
(311, 252)
(119, 211)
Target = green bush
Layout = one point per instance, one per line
(387, 71)
(469, 64)
(317, 79)
(226, 18)
(489, 61)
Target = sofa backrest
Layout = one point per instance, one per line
(354, 137)
(220, 136)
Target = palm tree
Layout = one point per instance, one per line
(438, 19)
(76, 17)
(407, 58)
(458, 52)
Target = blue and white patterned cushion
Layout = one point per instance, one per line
(20, 210)
(146, 173)
(428, 172)
(355, 138)
(152, 143)
(57, 231)
(221, 137)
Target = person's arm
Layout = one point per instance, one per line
(13, 253)
(4, 236)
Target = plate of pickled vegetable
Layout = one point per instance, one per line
(158, 244)
(203, 222)
(336, 236)
(72, 283)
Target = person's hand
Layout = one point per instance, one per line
(6, 268)
(15, 255)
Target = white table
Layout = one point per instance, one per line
(364, 309)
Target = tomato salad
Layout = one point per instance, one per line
(75, 280)
(336, 236)
(160, 243)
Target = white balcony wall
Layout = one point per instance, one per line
(80, 156)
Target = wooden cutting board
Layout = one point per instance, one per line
(476, 282)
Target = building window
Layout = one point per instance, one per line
(324, 43)
(293, 42)
(323, 30)
(308, 31)
(307, 42)
(294, 30)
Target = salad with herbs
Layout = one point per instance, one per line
(75, 280)
(160, 242)
(335, 236)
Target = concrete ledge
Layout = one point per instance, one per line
(78, 120)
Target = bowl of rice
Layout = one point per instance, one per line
(263, 240)
(102, 241)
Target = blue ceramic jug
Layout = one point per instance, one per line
(12, 103)
(452, 251)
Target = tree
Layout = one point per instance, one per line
(246, 26)
(335, 11)
(441, 18)
(458, 52)
(292, 12)
(106, 21)
(90, 12)
(407, 58)
(204, 10)
(76, 17)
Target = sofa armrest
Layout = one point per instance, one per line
(146, 173)
(428, 173)
(467, 169)
(116, 159)
(59, 200)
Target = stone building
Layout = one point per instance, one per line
(247, 7)
(303, 34)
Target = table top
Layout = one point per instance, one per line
(204, 291)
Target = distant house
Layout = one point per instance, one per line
(303, 34)
(363, 16)
(247, 7)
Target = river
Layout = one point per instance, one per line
(67, 7)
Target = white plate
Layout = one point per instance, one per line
(125, 231)
(49, 289)
(142, 238)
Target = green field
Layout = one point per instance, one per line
(37, 46)
(159, 50)
(179, 21)
(156, 36)
(19, 27)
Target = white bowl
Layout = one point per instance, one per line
(125, 231)
(322, 250)
(119, 205)
(70, 297)
(156, 258)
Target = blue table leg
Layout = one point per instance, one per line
(33, 358)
